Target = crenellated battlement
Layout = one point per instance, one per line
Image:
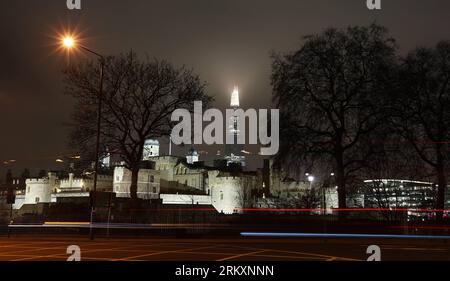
(37, 181)
(87, 180)
(65, 181)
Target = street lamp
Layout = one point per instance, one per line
(310, 179)
(69, 42)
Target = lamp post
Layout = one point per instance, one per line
(70, 43)
(311, 179)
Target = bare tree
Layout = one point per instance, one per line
(311, 198)
(243, 195)
(423, 109)
(331, 94)
(384, 195)
(138, 100)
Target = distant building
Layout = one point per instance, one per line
(192, 156)
(447, 198)
(106, 159)
(84, 184)
(396, 193)
(14, 183)
(40, 190)
(49, 188)
(281, 185)
(231, 192)
(175, 181)
(285, 191)
(192, 175)
(151, 149)
(149, 181)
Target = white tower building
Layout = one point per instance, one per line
(192, 157)
(40, 190)
(151, 149)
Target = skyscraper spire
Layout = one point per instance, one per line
(235, 97)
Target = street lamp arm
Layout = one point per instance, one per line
(92, 52)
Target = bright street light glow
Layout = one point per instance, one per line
(310, 178)
(68, 42)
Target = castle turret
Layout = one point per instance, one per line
(40, 190)
(151, 149)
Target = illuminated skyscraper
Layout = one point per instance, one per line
(233, 152)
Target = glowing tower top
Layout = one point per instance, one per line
(235, 97)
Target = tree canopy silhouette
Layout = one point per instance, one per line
(332, 96)
(423, 109)
(138, 99)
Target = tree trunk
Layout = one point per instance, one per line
(340, 182)
(134, 183)
(442, 184)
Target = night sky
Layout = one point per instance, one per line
(226, 42)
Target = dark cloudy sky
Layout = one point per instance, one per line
(227, 42)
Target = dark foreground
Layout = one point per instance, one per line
(54, 248)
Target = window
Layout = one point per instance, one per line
(36, 200)
(154, 189)
(152, 178)
(221, 196)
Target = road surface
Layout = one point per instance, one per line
(54, 248)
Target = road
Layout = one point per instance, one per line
(54, 248)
